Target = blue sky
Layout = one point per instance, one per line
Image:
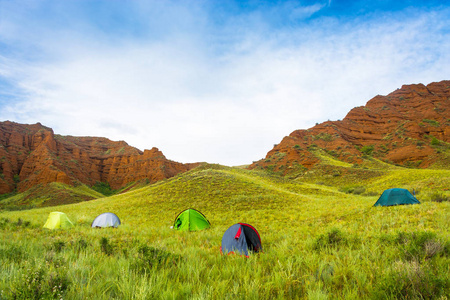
(215, 81)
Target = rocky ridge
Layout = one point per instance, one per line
(409, 127)
(33, 154)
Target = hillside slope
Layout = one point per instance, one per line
(408, 127)
(226, 194)
(318, 242)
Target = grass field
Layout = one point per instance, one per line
(321, 239)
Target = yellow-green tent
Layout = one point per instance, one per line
(57, 220)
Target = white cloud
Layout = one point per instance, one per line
(223, 99)
(302, 12)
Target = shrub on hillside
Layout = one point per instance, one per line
(357, 190)
(39, 282)
(367, 150)
(81, 244)
(103, 188)
(105, 246)
(4, 222)
(12, 253)
(432, 122)
(325, 273)
(150, 257)
(410, 280)
(435, 142)
(332, 238)
(57, 246)
(439, 197)
(371, 193)
(421, 245)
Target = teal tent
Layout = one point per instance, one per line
(396, 196)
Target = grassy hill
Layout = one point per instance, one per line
(321, 239)
(51, 194)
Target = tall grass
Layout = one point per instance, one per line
(318, 242)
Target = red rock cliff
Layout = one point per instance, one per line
(33, 154)
(410, 127)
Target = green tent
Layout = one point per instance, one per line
(396, 196)
(57, 220)
(191, 219)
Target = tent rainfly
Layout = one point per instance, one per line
(241, 238)
(106, 220)
(192, 220)
(396, 196)
(57, 220)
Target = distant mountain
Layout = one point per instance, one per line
(32, 154)
(409, 127)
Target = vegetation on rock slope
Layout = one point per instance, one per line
(32, 155)
(409, 127)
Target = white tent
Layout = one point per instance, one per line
(106, 220)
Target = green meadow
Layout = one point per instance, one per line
(321, 237)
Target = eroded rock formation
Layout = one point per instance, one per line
(33, 154)
(410, 127)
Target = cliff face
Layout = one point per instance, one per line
(33, 154)
(410, 127)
